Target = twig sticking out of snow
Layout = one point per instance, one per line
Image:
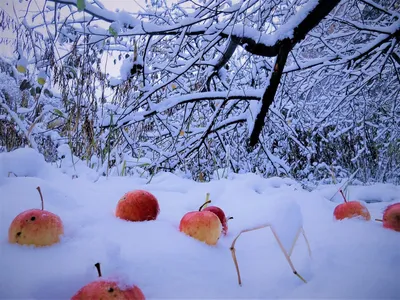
(204, 205)
(344, 197)
(287, 254)
(344, 186)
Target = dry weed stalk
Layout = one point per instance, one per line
(287, 254)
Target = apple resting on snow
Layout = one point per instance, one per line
(36, 227)
(107, 289)
(205, 224)
(137, 205)
(351, 209)
(391, 217)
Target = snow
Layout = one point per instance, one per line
(350, 258)
(125, 69)
(378, 192)
(42, 74)
(115, 81)
(23, 62)
(98, 40)
(253, 111)
(24, 162)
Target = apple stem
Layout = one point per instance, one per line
(344, 197)
(204, 204)
(379, 220)
(41, 196)
(97, 265)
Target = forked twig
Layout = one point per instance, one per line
(294, 242)
(301, 230)
(287, 255)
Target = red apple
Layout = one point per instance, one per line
(204, 226)
(351, 209)
(107, 289)
(221, 215)
(137, 205)
(218, 211)
(36, 227)
(391, 217)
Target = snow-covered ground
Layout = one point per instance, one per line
(350, 259)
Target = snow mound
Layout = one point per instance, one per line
(24, 162)
(286, 219)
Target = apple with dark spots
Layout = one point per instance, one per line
(36, 227)
(108, 289)
(137, 206)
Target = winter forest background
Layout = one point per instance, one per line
(301, 88)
